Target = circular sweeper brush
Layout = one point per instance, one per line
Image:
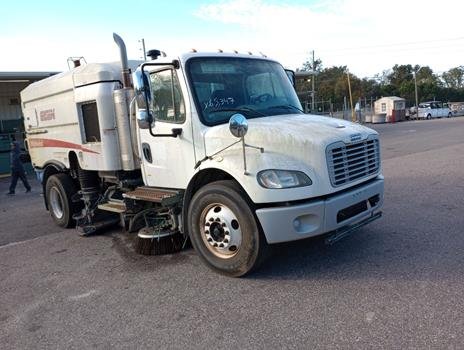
(158, 242)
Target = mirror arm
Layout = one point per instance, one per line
(261, 149)
(174, 63)
(245, 172)
(215, 154)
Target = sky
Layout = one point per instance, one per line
(366, 36)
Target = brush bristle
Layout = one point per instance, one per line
(159, 246)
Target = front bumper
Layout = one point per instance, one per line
(289, 223)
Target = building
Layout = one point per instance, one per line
(11, 83)
(394, 108)
(11, 121)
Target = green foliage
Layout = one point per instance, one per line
(308, 66)
(454, 78)
(331, 84)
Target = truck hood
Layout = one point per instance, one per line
(292, 142)
(291, 132)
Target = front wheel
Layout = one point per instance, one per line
(449, 115)
(429, 116)
(224, 231)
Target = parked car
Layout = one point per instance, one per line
(434, 109)
(410, 113)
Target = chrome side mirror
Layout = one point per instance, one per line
(143, 98)
(238, 125)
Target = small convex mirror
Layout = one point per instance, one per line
(238, 125)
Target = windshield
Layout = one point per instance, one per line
(223, 86)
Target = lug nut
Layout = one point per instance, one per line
(210, 239)
(211, 219)
(206, 231)
(208, 224)
(221, 245)
(218, 220)
(226, 241)
(224, 224)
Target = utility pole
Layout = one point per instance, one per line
(351, 97)
(312, 84)
(143, 49)
(344, 106)
(371, 110)
(414, 73)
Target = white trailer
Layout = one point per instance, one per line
(212, 147)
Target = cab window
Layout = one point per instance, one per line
(167, 102)
(264, 84)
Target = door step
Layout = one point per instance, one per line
(156, 195)
(115, 207)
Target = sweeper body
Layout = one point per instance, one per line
(208, 146)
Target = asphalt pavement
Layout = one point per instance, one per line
(398, 283)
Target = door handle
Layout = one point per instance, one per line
(175, 132)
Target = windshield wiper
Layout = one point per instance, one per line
(241, 109)
(287, 107)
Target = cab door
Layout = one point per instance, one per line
(167, 153)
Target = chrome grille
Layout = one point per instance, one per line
(350, 162)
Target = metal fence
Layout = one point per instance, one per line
(340, 111)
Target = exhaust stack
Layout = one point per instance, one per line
(122, 98)
(126, 74)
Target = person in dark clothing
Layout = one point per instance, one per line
(17, 169)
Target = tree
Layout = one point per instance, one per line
(331, 83)
(454, 78)
(370, 87)
(308, 65)
(400, 74)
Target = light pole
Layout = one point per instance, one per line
(142, 41)
(353, 119)
(312, 85)
(414, 73)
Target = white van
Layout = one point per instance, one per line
(434, 109)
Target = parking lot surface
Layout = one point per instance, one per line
(398, 283)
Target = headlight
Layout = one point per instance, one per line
(283, 178)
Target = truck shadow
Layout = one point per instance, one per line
(377, 251)
(418, 237)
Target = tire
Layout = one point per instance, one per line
(429, 116)
(449, 115)
(59, 190)
(224, 231)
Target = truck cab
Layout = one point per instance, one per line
(304, 174)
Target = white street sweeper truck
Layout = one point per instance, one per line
(211, 147)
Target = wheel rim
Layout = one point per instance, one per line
(220, 230)
(56, 203)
